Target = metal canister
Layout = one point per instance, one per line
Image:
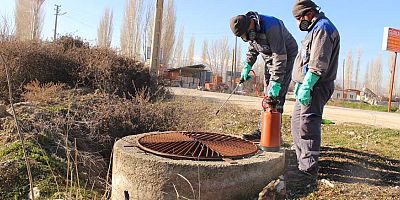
(271, 126)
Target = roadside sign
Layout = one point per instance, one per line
(391, 39)
(391, 42)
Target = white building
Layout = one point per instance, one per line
(347, 95)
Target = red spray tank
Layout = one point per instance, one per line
(270, 125)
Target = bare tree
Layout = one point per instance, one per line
(228, 62)
(28, 19)
(37, 21)
(376, 75)
(239, 55)
(104, 31)
(168, 32)
(259, 68)
(224, 54)
(148, 31)
(130, 36)
(6, 29)
(359, 53)
(22, 25)
(190, 52)
(367, 76)
(219, 56)
(213, 56)
(178, 52)
(204, 54)
(349, 71)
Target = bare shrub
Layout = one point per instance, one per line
(47, 93)
(32, 60)
(70, 42)
(73, 62)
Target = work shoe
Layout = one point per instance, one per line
(254, 136)
(301, 177)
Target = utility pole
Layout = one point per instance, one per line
(155, 46)
(57, 9)
(55, 25)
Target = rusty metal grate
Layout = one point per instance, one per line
(197, 146)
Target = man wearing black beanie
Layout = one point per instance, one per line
(314, 73)
(267, 35)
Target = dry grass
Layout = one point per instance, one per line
(47, 93)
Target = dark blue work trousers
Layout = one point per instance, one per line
(306, 126)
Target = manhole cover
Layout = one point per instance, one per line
(197, 146)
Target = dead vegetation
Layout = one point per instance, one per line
(73, 62)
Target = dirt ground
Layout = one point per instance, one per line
(349, 174)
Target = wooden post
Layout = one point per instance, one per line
(392, 82)
(155, 46)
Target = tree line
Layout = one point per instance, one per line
(371, 77)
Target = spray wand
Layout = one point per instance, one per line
(234, 90)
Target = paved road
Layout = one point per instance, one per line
(337, 114)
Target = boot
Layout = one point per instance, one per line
(305, 178)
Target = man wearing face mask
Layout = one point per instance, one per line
(314, 72)
(267, 35)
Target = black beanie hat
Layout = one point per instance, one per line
(301, 6)
(239, 24)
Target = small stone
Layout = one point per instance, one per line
(36, 193)
(275, 189)
(328, 183)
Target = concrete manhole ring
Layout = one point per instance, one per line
(143, 175)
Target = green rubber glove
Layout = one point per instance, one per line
(274, 89)
(245, 73)
(296, 89)
(304, 94)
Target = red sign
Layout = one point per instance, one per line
(391, 39)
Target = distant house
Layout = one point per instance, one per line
(233, 76)
(347, 95)
(370, 97)
(188, 76)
